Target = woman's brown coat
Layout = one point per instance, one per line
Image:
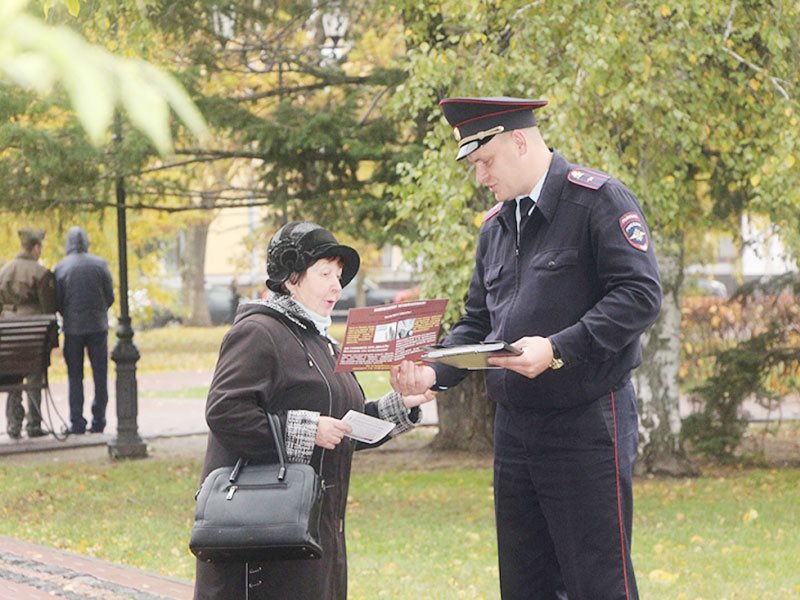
(262, 364)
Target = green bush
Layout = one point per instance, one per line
(746, 347)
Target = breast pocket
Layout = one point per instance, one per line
(555, 261)
(558, 276)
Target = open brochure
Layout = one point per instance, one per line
(378, 337)
(471, 356)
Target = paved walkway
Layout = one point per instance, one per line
(160, 414)
(33, 572)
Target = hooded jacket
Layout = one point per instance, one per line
(84, 290)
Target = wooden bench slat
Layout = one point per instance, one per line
(25, 345)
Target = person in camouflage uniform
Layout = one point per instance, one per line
(26, 288)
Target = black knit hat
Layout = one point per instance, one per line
(298, 245)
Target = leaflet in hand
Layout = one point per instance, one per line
(471, 356)
(366, 428)
(378, 337)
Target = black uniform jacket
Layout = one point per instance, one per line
(584, 274)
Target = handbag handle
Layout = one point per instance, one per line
(275, 428)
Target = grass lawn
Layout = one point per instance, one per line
(427, 534)
(413, 534)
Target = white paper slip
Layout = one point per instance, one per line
(365, 428)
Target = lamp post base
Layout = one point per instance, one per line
(133, 448)
(127, 443)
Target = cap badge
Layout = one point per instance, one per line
(457, 133)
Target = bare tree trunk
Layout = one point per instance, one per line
(194, 272)
(466, 417)
(360, 298)
(656, 380)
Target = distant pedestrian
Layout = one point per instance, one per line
(84, 293)
(26, 289)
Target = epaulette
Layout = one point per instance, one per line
(588, 178)
(492, 212)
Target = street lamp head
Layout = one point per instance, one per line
(334, 23)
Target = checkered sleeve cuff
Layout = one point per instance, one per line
(301, 432)
(391, 408)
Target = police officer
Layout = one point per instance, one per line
(565, 270)
(26, 288)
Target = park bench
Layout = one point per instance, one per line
(25, 345)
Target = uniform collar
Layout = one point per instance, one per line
(549, 193)
(553, 185)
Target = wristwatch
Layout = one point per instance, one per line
(557, 361)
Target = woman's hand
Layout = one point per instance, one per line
(410, 379)
(417, 399)
(330, 432)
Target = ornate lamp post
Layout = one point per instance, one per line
(127, 443)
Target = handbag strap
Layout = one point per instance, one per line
(277, 435)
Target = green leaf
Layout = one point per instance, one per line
(145, 105)
(178, 99)
(92, 96)
(74, 7)
(10, 8)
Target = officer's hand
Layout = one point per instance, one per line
(537, 354)
(411, 379)
(330, 432)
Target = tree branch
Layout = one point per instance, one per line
(775, 81)
(300, 88)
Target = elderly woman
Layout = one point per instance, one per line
(278, 357)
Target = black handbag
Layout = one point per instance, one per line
(258, 513)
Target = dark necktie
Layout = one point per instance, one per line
(525, 205)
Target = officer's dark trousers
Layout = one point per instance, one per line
(563, 500)
(96, 345)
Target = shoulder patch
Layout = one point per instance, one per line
(588, 178)
(634, 231)
(492, 212)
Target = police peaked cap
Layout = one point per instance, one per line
(475, 121)
(298, 245)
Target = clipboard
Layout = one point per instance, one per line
(473, 357)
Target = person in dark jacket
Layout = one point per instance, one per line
(26, 289)
(84, 293)
(278, 358)
(565, 269)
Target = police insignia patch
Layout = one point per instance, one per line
(634, 231)
(588, 178)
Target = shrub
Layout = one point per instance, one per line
(746, 347)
